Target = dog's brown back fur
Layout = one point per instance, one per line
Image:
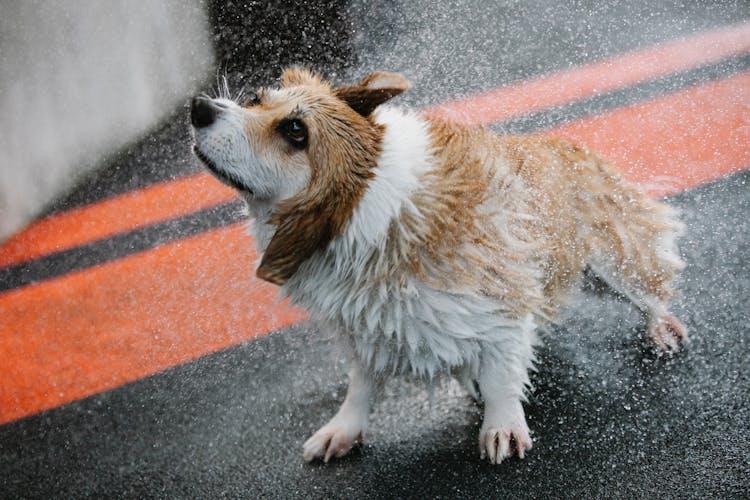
(572, 204)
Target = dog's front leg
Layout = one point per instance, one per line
(346, 428)
(503, 377)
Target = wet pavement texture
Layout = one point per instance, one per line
(608, 417)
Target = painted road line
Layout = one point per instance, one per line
(92, 330)
(126, 212)
(120, 245)
(599, 77)
(628, 96)
(675, 141)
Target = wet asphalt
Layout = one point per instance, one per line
(609, 418)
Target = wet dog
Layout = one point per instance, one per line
(427, 246)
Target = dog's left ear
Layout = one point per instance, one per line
(372, 91)
(303, 227)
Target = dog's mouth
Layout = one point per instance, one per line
(220, 174)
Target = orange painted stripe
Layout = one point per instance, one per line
(599, 77)
(90, 331)
(133, 210)
(674, 141)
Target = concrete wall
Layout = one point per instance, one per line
(81, 78)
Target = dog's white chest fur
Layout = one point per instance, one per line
(404, 327)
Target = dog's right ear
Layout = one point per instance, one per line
(372, 91)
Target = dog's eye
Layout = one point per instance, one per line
(294, 131)
(253, 99)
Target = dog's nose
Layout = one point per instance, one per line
(202, 112)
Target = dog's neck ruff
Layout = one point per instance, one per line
(405, 156)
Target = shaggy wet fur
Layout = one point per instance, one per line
(430, 247)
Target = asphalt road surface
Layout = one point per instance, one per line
(140, 358)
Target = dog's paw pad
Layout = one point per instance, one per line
(497, 444)
(666, 333)
(331, 441)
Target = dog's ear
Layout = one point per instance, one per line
(306, 223)
(302, 229)
(299, 75)
(372, 91)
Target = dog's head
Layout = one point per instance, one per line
(306, 149)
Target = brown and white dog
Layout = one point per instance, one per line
(427, 246)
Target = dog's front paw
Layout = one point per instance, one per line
(498, 442)
(335, 439)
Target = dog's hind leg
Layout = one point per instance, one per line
(636, 255)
